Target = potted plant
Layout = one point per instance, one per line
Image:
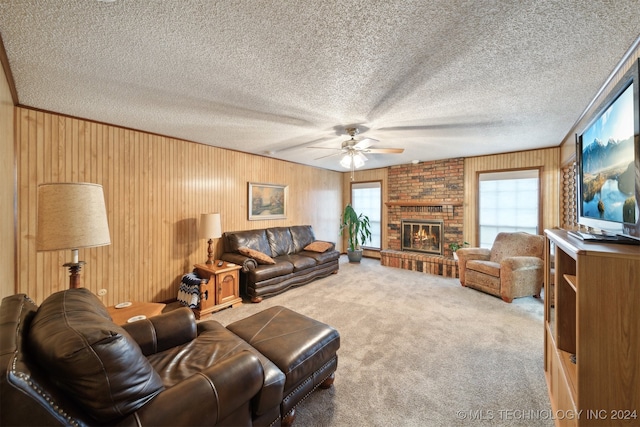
(358, 231)
(455, 246)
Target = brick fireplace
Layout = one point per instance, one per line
(422, 236)
(428, 191)
(425, 192)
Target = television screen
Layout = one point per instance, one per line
(608, 171)
(608, 160)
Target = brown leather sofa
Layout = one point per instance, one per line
(277, 259)
(67, 363)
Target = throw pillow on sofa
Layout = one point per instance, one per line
(260, 257)
(91, 357)
(318, 246)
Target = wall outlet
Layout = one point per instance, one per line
(102, 292)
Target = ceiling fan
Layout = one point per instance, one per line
(353, 151)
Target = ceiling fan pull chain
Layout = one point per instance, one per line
(353, 166)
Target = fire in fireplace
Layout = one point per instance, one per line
(422, 236)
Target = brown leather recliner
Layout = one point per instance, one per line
(67, 363)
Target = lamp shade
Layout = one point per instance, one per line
(71, 215)
(210, 226)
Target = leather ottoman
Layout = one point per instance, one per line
(303, 348)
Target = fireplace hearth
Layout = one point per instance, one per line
(422, 236)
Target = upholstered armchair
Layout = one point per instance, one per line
(512, 268)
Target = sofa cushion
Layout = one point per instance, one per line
(280, 241)
(96, 361)
(264, 272)
(260, 257)
(300, 262)
(254, 239)
(319, 246)
(322, 257)
(486, 267)
(302, 235)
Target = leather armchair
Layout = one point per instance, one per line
(512, 268)
(66, 363)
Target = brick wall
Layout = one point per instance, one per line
(439, 186)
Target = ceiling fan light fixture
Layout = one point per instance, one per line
(359, 159)
(346, 161)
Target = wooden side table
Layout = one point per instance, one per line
(130, 312)
(222, 289)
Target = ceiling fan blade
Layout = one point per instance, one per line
(364, 143)
(385, 150)
(326, 148)
(297, 146)
(452, 125)
(328, 155)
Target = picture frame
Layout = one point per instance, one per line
(267, 201)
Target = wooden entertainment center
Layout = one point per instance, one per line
(592, 331)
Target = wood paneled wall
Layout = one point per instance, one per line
(7, 189)
(155, 189)
(547, 159)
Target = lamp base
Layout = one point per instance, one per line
(210, 252)
(75, 278)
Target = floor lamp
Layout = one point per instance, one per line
(210, 229)
(71, 215)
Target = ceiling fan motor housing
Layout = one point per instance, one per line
(352, 131)
(349, 144)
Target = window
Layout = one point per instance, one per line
(508, 201)
(366, 198)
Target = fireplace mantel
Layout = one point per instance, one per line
(411, 203)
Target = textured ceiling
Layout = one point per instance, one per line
(439, 78)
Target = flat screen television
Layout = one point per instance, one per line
(608, 161)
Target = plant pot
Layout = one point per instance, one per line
(354, 256)
(455, 256)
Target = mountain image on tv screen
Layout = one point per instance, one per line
(608, 174)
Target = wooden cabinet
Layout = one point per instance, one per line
(592, 331)
(222, 288)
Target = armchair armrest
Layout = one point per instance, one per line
(520, 276)
(521, 263)
(474, 253)
(205, 398)
(467, 254)
(165, 331)
(246, 262)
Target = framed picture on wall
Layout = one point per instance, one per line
(267, 201)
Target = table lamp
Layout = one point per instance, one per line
(210, 229)
(71, 215)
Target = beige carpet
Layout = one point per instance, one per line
(420, 350)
